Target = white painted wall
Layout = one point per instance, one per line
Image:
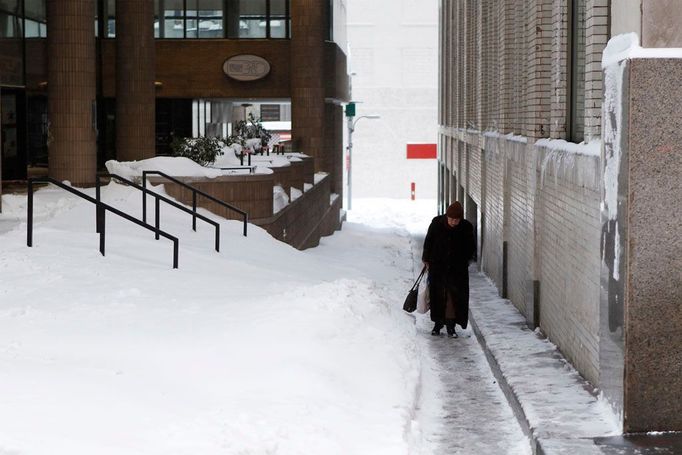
(393, 49)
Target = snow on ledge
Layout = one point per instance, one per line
(509, 137)
(626, 47)
(592, 148)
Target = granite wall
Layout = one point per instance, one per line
(652, 399)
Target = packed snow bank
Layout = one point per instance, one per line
(257, 349)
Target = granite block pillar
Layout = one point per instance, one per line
(641, 299)
(72, 91)
(135, 73)
(308, 32)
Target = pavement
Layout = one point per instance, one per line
(558, 411)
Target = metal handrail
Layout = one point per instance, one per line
(167, 201)
(251, 169)
(194, 197)
(101, 209)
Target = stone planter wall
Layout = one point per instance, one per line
(305, 220)
(251, 193)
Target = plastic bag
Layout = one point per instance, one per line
(423, 305)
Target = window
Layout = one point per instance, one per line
(576, 87)
(280, 22)
(10, 19)
(35, 22)
(252, 19)
(173, 13)
(209, 18)
(221, 19)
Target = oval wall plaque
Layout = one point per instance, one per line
(246, 67)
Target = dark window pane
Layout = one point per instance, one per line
(35, 10)
(278, 7)
(192, 8)
(210, 8)
(252, 7)
(173, 8)
(10, 6)
(9, 26)
(577, 90)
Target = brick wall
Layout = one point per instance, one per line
(493, 235)
(567, 219)
(521, 232)
(597, 34)
(504, 70)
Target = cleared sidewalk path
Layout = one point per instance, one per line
(552, 401)
(473, 414)
(555, 406)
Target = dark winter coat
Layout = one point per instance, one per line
(448, 251)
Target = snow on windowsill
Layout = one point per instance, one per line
(509, 137)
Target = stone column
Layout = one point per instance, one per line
(72, 91)
(135, 73)
(641, 317)
(334, 145)
(308, 26)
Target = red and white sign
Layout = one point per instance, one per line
(422, 151)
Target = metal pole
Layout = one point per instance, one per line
(144, 196)
(29, 215)
(157, 217)
(350, 167)
(194, 210)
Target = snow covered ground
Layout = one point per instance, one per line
(257, 349)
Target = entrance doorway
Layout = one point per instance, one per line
(12, 105)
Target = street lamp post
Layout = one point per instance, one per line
(352, 121)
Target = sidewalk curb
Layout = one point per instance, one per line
(509, 393)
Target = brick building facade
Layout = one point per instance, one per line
(75, 96)
(520, 144)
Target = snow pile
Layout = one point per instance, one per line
(257, 349)
(173, 166)
(280, 198)
(295, 193)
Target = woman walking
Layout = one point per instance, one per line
(448, 247)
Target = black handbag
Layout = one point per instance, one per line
(411, 300)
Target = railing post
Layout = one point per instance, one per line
(102, 231)
(246, 221)
(217, 238)
(194, 210)
(157, 207)
(98, 205)
(29, 215)
(175, 254)
(144, 196)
